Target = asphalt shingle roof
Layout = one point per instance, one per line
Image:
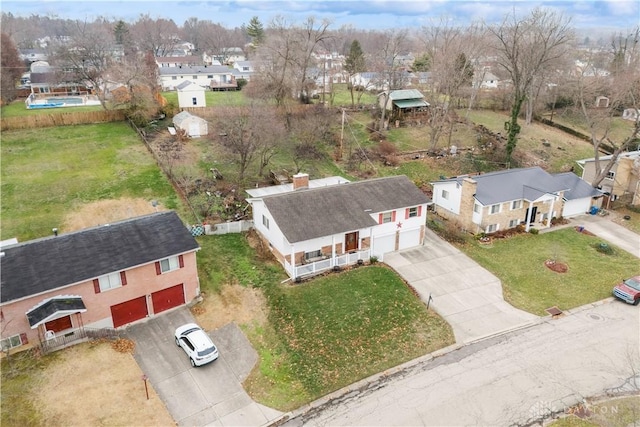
(311, 213)
(45, 264)
(578, 187)
(514, 184)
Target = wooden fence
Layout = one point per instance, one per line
(61, 119)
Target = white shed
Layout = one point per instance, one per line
(191, 95)
(194, 126)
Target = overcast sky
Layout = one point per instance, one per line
(365, 14)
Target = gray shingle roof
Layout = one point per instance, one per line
(514, 184)
(317, 212)
(578, 188)
(45, 264)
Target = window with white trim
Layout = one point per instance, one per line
(109, 281)
(413, 212)
(492, 228)
(514, 223)
(494, 209)
(13, 342)
(387, 217)
(265, 222)
(445, 194)
(516, 204)
(195, 77)
(611, 174)
(476, 208)
(312, 254)
(194, 100)
(169, 264)
(174, 78)
(209, 76)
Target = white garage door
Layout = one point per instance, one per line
(384, 244)
(409, 239)
(576, 207)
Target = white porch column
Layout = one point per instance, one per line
(333, 250)
(293, 261)
(550, 212)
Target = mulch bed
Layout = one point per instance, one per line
(558, 267)
(583, 230)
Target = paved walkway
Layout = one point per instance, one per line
(466, 295)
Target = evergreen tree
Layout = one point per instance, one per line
(255, 31)
(354, 63)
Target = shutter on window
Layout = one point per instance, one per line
(419, 210)
(96, 286)
(406, 213)
(158, 270)
(393, 216)
(123, 278)
(180, 261)
(23, 339)
(380, 219)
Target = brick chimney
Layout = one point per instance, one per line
(300, 180)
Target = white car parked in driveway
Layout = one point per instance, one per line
(196, 343)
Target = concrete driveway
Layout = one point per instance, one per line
(466, 295)
(613, 233)
(208, 395)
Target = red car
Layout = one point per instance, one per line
(628, 291)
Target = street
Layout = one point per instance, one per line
(511, 379)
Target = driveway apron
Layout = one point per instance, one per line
(466, 295)
(208, 395)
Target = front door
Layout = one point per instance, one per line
(534, 211)
(351, 241)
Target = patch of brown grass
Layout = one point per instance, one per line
(235, 303)
(105, 212)
(73, 390)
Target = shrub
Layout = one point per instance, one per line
(603, 248)
(373, 259)
(534, 231)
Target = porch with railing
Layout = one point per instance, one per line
(317, 267)
(70, 337)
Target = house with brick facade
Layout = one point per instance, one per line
(315, 225)
(59, 289)
(489, 202)
(622, 179)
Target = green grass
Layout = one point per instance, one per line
(214, 99)
(229, 259)
(20, 376)
(564, 149)
(323, 334)
(342, 97)
(47, 173)
(529, 285)
(341, 328)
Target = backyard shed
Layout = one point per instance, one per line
(191, 95)
(194, 126)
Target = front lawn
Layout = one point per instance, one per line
(338, 329)
(529, 285)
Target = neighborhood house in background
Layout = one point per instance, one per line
(623, 178)
(63, 288)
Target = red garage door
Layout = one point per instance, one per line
(168, 298)
(129, 311)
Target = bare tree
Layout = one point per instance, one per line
(449, 49)
(524, 47)
(309, 134)
(159, 36)
(393, 76)
(247, 132)
(11, 68)
(621, 85)
(89, 54)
